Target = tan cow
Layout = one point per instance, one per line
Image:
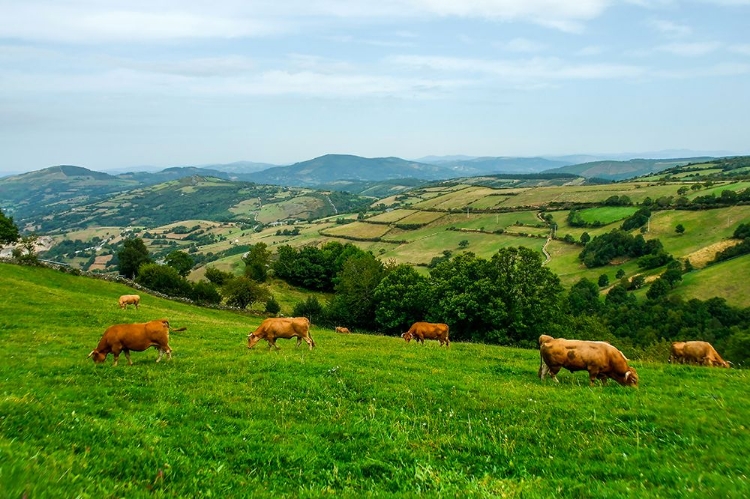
(428, 330)
(136, 337)
(343, 330)
(696, 352)
(126, 300)
(282, 327)
(599, 358)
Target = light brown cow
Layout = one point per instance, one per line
(343, 330)
(599, 358)
(428, 330)
(696, 352)
(282, 327)
(136, 337)
(126, 300)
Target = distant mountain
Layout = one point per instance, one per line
(621, 170)
(55, 188)
(334, 167)
(492, 165)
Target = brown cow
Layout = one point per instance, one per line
(343, 330)
(599, 358)
(696, 352)
(136, 337)
(126, 300)
(432, 331)
(283, 327)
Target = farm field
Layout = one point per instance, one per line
(358, 416)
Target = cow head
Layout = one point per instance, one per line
(252, 340)
(98, 356)
(721, 363)
(631, 377)
(407, 336)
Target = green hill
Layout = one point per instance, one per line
(621, 170)
(358, 416)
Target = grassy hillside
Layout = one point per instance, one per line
(358, 416)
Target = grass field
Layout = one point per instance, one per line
(607, 214)
(358, 416)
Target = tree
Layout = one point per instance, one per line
(164, 279)
(680, 229)
(585, 237)
(463, 243)
(603, 281)
(25, 252)
(272, 306)
(205, 292)
(354, 301)
(180, 261)
(217, 276)
(132, 255)
(257, 261)
(620, 274)
(242, 292)
(658, 289)
(583, 298)
(8, 230)
(310, 308)
(401, 299)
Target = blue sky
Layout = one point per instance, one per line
(114, 84)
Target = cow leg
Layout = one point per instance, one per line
(272, 343)
(543, 370)
(309, 342)
(553, 373)
(127, 356)
(299, 341)
(161, 353)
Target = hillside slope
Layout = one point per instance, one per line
(357, 416)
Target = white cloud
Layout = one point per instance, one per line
(743, 49)
(522, 45)
(669, 28)
(537, 70)
(690, 49)
(94, 21)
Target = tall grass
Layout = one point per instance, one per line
(357, 416)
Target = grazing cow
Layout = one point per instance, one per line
(431, 331)
(696, 352)
(283, 327)
(676, 352)
(599, 358)
(136, 337)
(343, 330)
(126, 300)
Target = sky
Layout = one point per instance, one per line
(118, 84)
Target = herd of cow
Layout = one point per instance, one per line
(599, 358)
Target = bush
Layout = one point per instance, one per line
(163, 279)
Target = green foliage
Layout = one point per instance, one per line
(272, 306)
(163, 279)
(180, 261)
(25, 252)
(312, 309)
(603, 281)
(8, 230)
(616, 243)
(257, 261)
(218, 277)
(131, 256)
(242, 292)
(401, 298)
(311, 267)
(583, 298)
(638, 219)
(354, 302)
(742, 231)
(679, 229)
(658, 289)
(205, 292)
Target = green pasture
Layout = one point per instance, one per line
(359, 416)
(570, 269)
(728, 280)
(297, 207)
(457, 199)
(607, 214)
(702, 228)
(423, 217)
(718, 187)
(391, 216)
(636, 191)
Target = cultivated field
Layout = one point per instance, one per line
(359, 416)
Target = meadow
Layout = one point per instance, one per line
(361, 415)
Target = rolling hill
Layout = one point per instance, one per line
(621, 170)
